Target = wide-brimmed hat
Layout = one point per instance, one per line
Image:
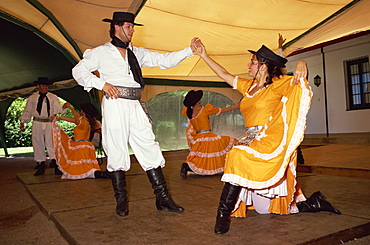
(192, 97)
(122, 17)
(89, 109)
(43, 80)
(274, 59)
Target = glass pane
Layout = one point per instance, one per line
(356, 99)
(365, 67)
(354, 69)
(355, 89)
(367, 98)
(169, 125)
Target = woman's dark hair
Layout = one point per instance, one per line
(91, 112)
(191, 99)
(112, 30)
(189, 112)
(273, 71)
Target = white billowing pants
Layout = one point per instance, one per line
(125, 122)
(41, 139)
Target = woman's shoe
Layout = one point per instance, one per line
(316, 203)
(102, 174)
(57, 171)
(184, 170)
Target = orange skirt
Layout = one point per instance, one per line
(76, 160)
(208, 152)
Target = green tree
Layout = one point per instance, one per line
(13, 135)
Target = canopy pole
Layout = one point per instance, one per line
(2, 135)
(325, 92)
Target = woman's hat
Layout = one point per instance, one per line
(121, 17)
(274, 59)
(89, 109)
(192, 97)
(43, 80)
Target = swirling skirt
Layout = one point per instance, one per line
(76, 160)
(208, 152)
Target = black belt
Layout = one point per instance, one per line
(82, 140)
(203, 131)
(42, 119)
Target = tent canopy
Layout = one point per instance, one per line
(47, 37)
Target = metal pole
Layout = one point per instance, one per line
(325, 92)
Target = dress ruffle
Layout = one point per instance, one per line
(208, 151)
(76, 160)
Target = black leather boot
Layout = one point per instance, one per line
(101, 175)
(163, 198)
(184, 170)
(40, 169)
(316, 203)
(228, 199)
(120, 193)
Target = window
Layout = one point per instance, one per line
(169, 125)
(358, 81)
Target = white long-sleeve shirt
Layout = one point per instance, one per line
(30, 109)
(113, 69)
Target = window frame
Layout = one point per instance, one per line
(359, 63)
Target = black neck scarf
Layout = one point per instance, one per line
(39, 104)
(132, 61)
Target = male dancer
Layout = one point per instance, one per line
(124, 119)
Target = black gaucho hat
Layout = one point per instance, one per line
(43, 80)
(192, 97)
(274, 59)
(89, 109)
(120, 17)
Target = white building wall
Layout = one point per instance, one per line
(340, 120)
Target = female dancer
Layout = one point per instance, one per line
(207, 150)
(261, 169)
(76, 158)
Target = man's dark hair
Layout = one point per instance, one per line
(112, 31)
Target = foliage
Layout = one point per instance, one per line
(13, 135)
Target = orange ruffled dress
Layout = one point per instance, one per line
(267, 165)
(76, 160)
(207, 150)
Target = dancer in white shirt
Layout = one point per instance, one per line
(124, 117)
(41, 106)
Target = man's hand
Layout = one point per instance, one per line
(21, 127)
(111, 90)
